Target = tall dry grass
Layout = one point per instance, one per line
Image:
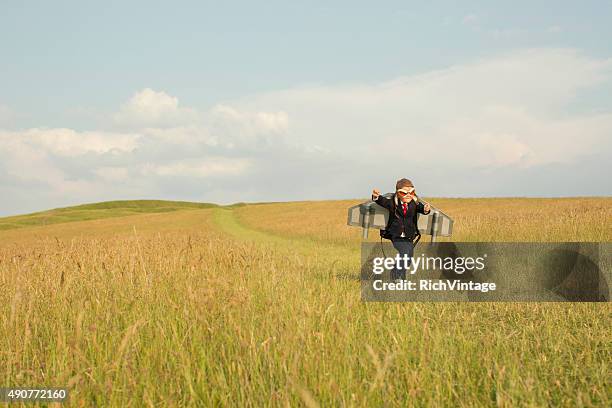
(486, 219)
(195, 308)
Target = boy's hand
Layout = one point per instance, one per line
(375, 194)
(427, 207)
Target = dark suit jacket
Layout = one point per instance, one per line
(399, 223)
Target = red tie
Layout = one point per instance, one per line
(404, 208)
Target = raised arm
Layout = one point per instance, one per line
(423, 208)
(380, 200)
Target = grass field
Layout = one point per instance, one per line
(259, 305)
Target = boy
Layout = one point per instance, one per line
(402, 225)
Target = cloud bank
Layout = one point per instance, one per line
(512, 124)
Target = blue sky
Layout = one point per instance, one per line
(182, 99)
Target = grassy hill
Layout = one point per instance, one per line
(106, 209)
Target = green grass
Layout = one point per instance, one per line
(107, 209)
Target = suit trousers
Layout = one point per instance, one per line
(404, 246)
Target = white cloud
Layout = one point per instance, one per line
(68, 142)
(42, 155)
(190, 135)
(212, 166)
(21, 161)
(238, 128)
(470, 19)
(151, 108)
(253, 122)
(112, 174)
(69, 166)
(521, 99)
(157, 113)
(501, 150)
(467, 130)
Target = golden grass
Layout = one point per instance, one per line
(199, 308)
(488, 219)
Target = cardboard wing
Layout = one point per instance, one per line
(371, 215)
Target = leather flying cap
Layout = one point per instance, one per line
(404, 184)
